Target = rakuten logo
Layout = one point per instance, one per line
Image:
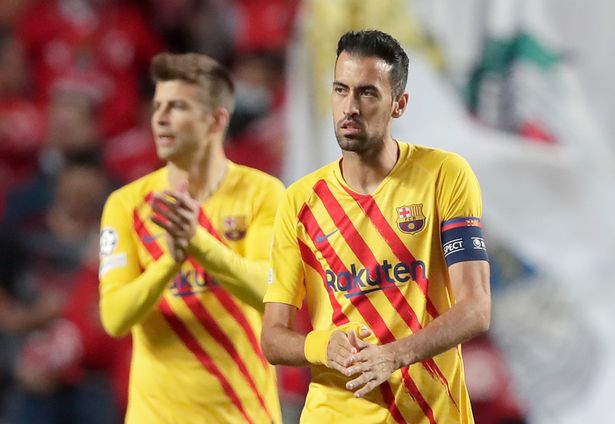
(358, 281)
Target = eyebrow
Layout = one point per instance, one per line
(361, 87)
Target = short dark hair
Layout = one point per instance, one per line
(198, 69)
(382, 45)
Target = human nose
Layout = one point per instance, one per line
(351, 105)
(161, 116)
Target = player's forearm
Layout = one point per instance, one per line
(464, 321)
(123, 305)
(243, 277)
(283, 346)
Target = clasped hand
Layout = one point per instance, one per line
(372, 364)
(177, 213)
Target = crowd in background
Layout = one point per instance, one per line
(75, 101)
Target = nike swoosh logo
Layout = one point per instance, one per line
(151, 239)
(321, 238)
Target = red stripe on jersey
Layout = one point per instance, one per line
(192, 344)
(206, 223)
(413, 390)
(227, 301)
(371, 209)
(231, 307)
(389, 399)
(145, 236)
(338, 318)
(208, 323)
(362, 303)
(362, 251)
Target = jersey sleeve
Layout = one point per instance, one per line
(286, 283)
(127, 294)
(460, 210)
(244, 276)
(118, 254)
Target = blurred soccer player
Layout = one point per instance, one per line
(184, 261)
(385, 245)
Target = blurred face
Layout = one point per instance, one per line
(79, 194)
(180, 123)
(362, 102)
(71, 124)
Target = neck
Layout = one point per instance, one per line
(203, 172)
(364, 171)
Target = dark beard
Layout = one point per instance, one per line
(361, 145)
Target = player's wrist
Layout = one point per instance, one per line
(315, 346)
(401, 353)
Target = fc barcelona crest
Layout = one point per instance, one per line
(234, 227)
(410, 219)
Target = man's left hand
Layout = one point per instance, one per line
(177, 213)
(373, 363)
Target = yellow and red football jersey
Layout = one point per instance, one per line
(379, 260)
(196, 355)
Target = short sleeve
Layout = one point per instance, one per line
(287, 282)
(460, 210)
(458, 190)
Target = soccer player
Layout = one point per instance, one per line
(185, 260)
(385, 246)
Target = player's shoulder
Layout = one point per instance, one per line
(303, 187)
(255, 177)
(135, 191)
(434, 159)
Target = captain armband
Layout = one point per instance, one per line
(462, 240)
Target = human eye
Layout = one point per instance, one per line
(369, 92)
(179, 105)
(338, 89)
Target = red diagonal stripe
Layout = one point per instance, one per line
(389, 399)
(394, 295)
(191, 343)
(371, 209)
(362, 304)
(231, 307)
(414, 392)
(146, 237)
(363, 252)
(338, 318)
(208, 323)
(206, 223)
(227, 301)
(204, 318)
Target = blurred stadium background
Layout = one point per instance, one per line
(523, 89)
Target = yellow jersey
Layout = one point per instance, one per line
(379, 260)
(196, 346)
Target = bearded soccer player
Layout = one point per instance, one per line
(185, 260)
(385, 246)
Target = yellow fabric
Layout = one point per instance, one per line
(317, 342)
(195, 357)
(324, 261)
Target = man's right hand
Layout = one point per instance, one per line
(340, 349)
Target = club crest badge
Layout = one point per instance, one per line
(234, 227)
(410, 219)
